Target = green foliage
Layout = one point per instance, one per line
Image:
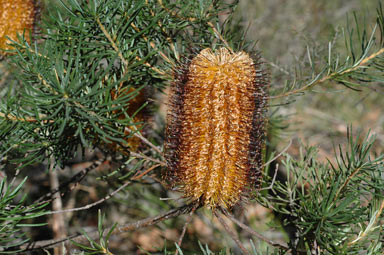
(337, 206)
(100, 247)
(15, 216)
(87, 52)
(358, 64)
(58, 99)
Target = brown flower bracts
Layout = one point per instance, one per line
(134, 111)
(215, 132)
(16, 17)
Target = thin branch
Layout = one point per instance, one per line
(189, 219)
(92, 204)
(346, 182)
(380, 211)
(363, 62)
(153, 45)
(377, 216)
(114, 46)
(278, 155)
(139, 135)
(217, 33)
(80, 238)
(174, 13)
(231, 233)
(137, 177)
(138, 155)
(75, 179)
(273, 179)
(191, 19)
(253, 232)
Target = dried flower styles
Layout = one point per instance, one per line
(16, 17)
(215, 131)
(134, 111)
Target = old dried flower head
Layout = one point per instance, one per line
(134, 110)
(215, 130)
(16, 17)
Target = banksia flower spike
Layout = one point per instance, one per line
(16, 17)
(215, 130)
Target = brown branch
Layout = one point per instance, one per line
(138, 155)
(346, 183)
(153, 45)
(253, 232)
(217, 33)
(125, 62)
(80, 238)
(106, 197)
(92, 204)
(139, 135)
(231, 233)
(189, 219)
(75, 179)
(191, 19)
(116, 48)
(138, 176)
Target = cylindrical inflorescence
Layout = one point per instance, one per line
(215, 129)
(16, 17)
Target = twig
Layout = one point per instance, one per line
(346, 182)
(92, 204)
(273, 179)
(278, 155)
(330, 76)
(220, 36)
(231, 232)
(139, 135)
(80, 238)
(189, 219)
(152, 44)
(75, 179)
(277, 67)
(138, 155)
(377, 216)
(106, 197)
(14, 118)
(114, 46)
(137, 177)
(253, 232)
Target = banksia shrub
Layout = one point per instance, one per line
(16, 17)
(215, 131)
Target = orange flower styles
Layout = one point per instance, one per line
(215, 130)
(16, 17)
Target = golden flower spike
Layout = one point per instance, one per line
(215, 130)
(16, 17)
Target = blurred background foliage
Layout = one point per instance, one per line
(285, 32)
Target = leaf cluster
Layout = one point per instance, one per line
(15, 215)
(336, 207)
(356, 63)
